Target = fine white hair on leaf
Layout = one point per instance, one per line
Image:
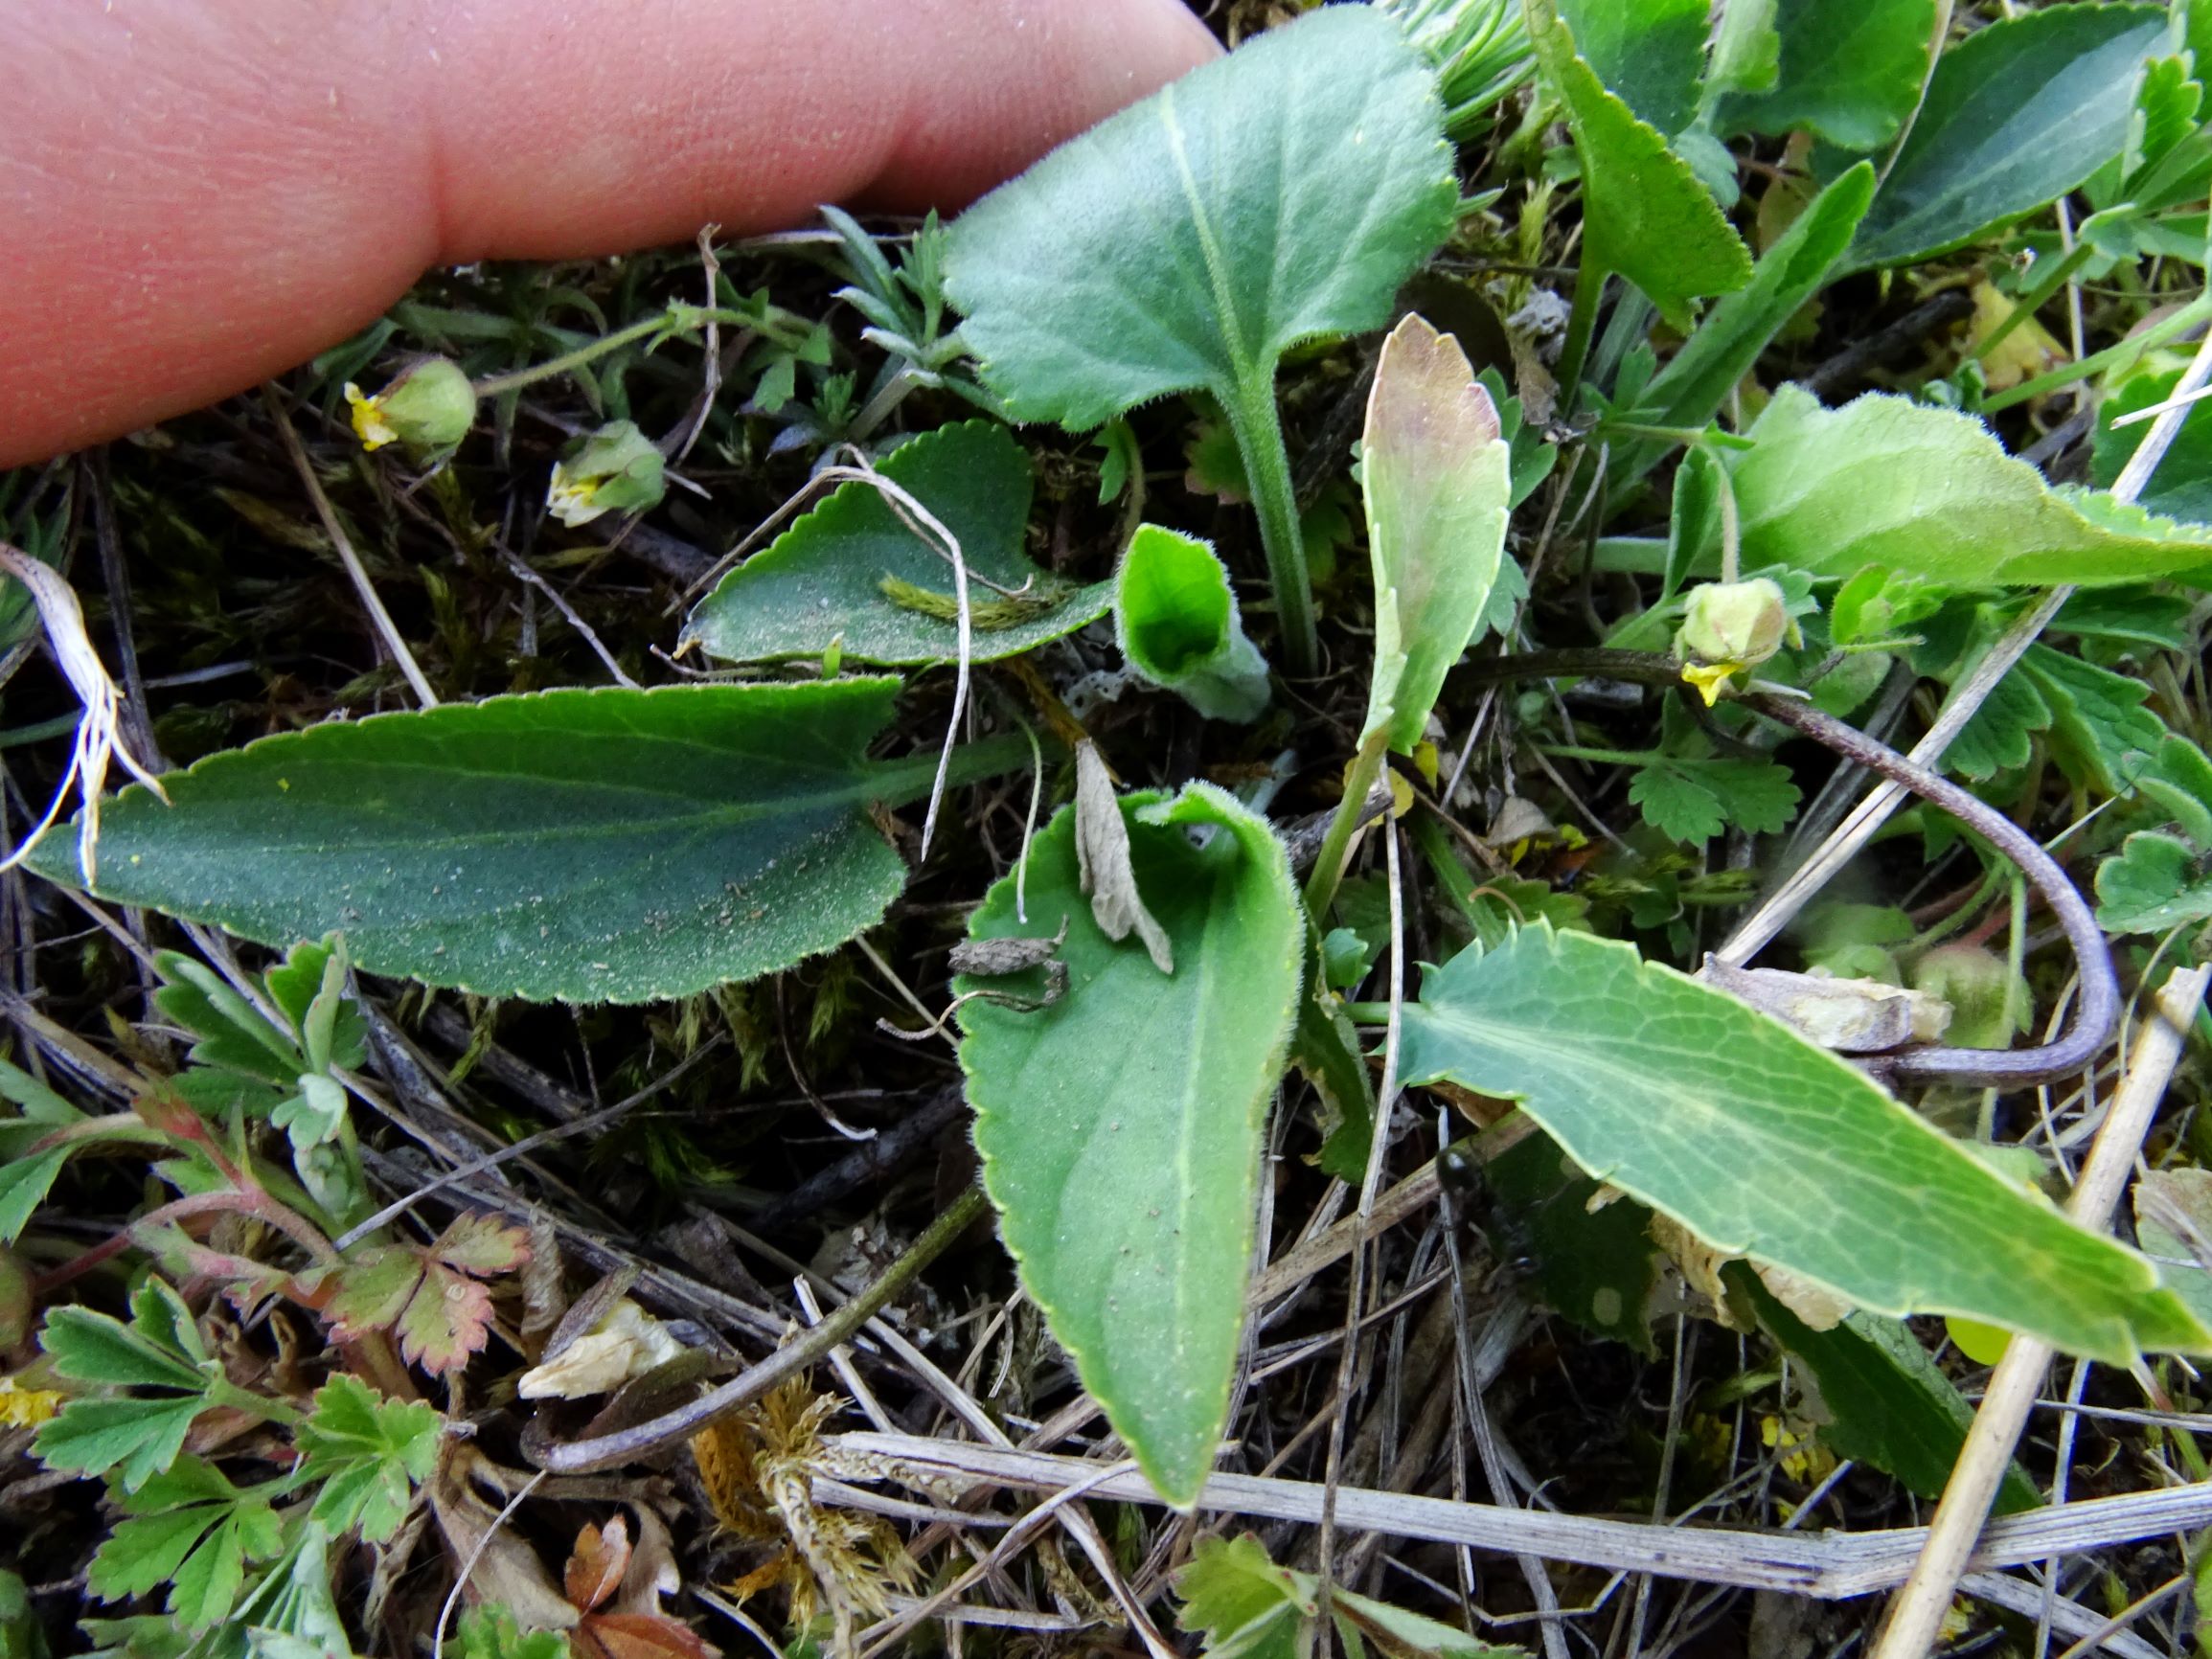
(100, 733)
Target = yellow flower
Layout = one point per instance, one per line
(27, 1407)
(1709, 678)
(369, 423)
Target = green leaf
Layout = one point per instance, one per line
(2101, 732)
(1694, 800)
(1766, 1146)
(1696, 382)
(1120, 1125)
(2016, 115)
(1247, 1608)
(1325, 1051)
(1436, 477)
(2182, 486)
(133, 1439)
(2154, 884)
(1889, 1404)
(852, 570)
(593, 845)
(24, 1183)
(488, 1631)
(1649, 53)
(1644, 213)
(1179, 626)
(1925, 493)
(2000, 737)
(2174, 1224)
(369, 1452)
(1850, 71)
(1596, 1266)
(1188, 241)
(158, 1349)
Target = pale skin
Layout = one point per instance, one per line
(197, 194)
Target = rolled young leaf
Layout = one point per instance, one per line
(1179, 626)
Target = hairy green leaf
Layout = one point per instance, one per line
(1849, 70)
(1766, 1146)
(1281, 193)
(1436, 479)
(1180, 627)
(1888, 1404)
(592, 846)
(1930, 493)
(851, 574)
(1645, 215)
(24, 1183)
(2016, 115)
(1119, 1124)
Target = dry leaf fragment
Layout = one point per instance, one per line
(1102, 851)
(626, 1343)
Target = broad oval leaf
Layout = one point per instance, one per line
(2015, 115)
(851, 573)
(1644, 213)
(1283, 191)
(1649, 53)
(2182, 486)
(591, 845)
(1766, 1146)
(1436, 475)
(1119, 1126)
(1178, 620)
(1849, 70)
(1930, 493)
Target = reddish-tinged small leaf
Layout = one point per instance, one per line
(482, 1245)
(368, 1292)
(596, 1567)
(642, 1636)
(446, 1320)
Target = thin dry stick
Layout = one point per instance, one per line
(1916, 1617)
(1831, 1565)
(381, 618)
(1753, 933)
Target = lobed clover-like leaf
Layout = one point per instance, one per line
(1765, 1145)
(1120, 1125)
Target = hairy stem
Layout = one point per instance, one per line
(1259, 434)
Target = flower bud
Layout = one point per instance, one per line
(615, 469)
(1974, 981)
(429, 408)
(1728, 627)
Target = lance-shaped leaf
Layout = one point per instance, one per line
(1697, 380)
(1179, 629)
(1766, 1146)
(1930, 493)
(1644, 213)
(2015, 115)
(1436, 476)
(851, 574)
(591, 845)
(1120, 1125)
